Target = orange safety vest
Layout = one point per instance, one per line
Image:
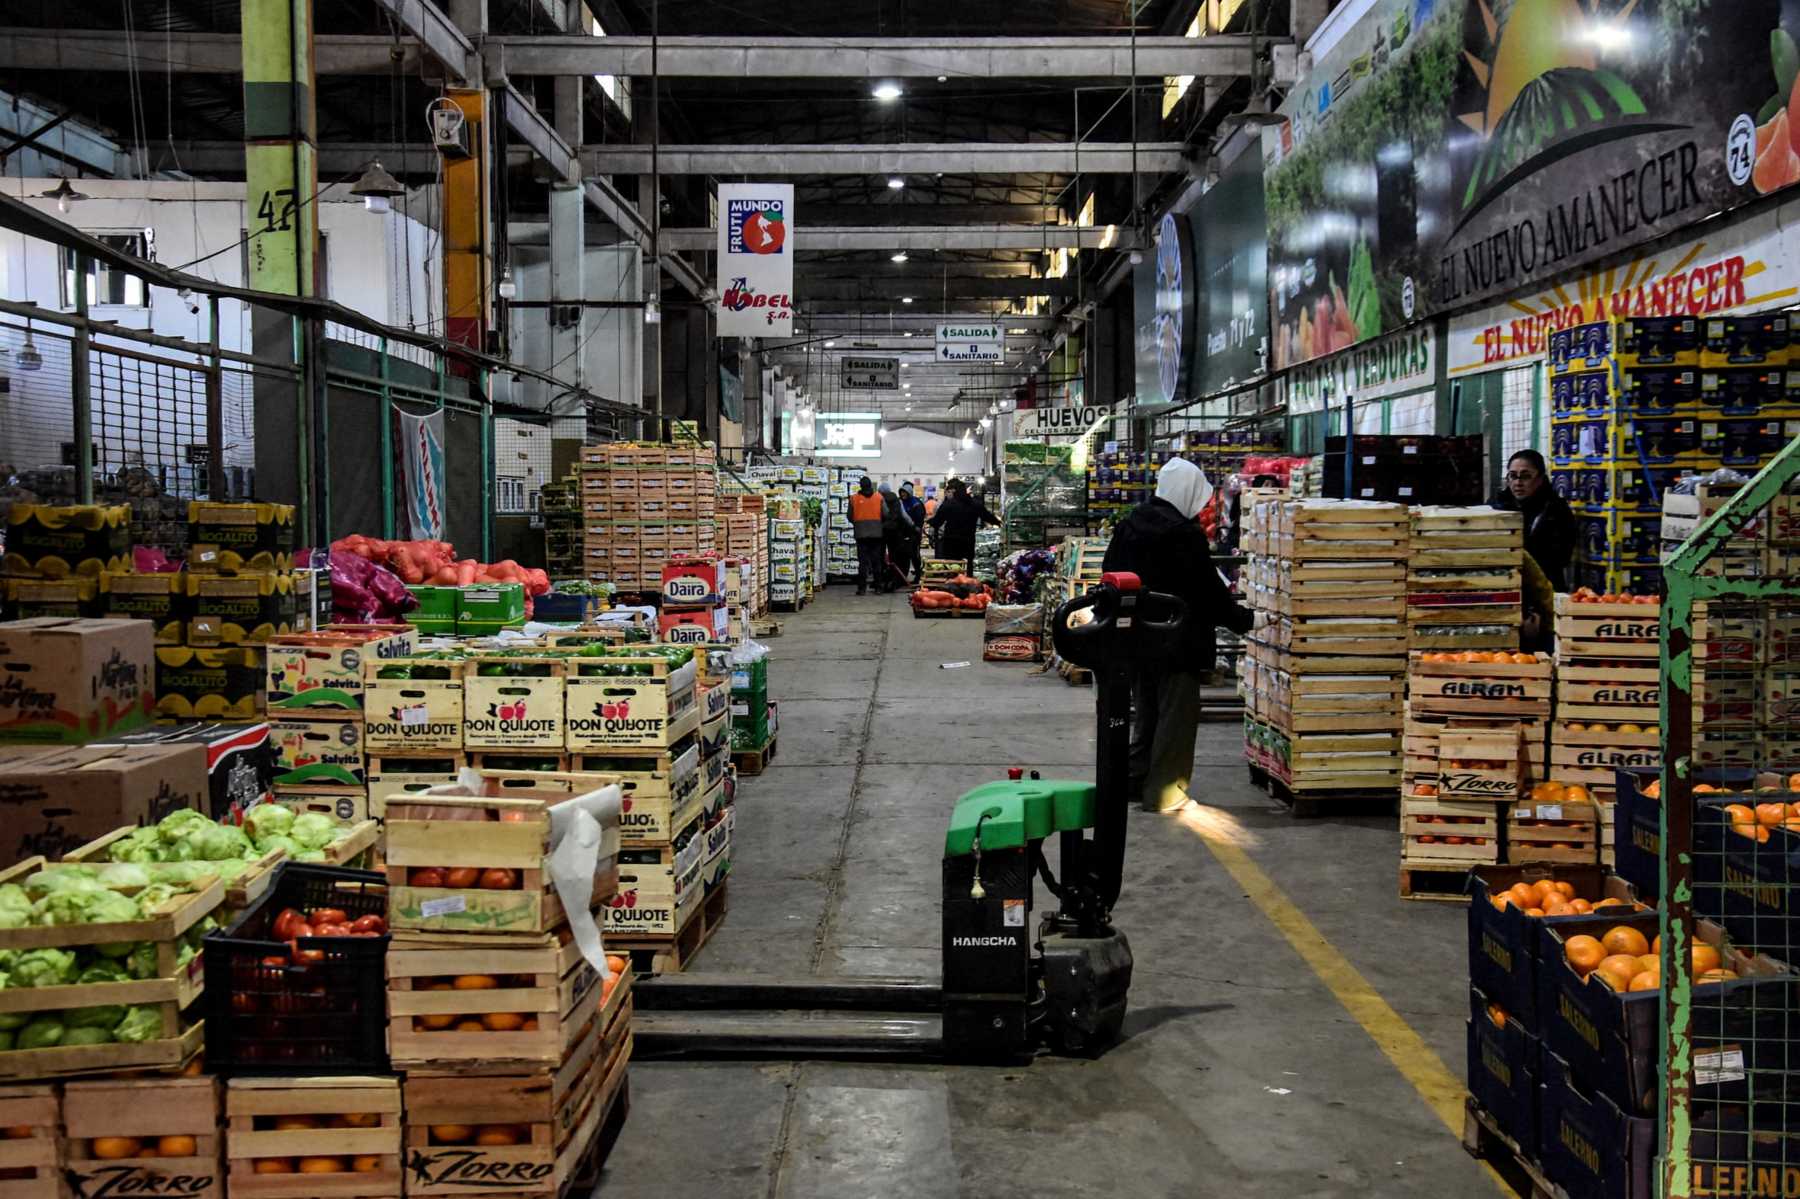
(865, 507)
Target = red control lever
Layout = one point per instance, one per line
(1121, 580)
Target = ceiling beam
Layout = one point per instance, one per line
(186, 53)
(915, 158)
(535, 129)
(924, 237)
(849, 289)
(924, 212)
(439, 35)
(963, 58)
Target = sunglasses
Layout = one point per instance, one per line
(1521, 476)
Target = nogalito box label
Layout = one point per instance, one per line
(68, 681)
(700, 626)
(694, 582)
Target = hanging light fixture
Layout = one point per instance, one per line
(899, 257)
(986, 421)
(28, 359)
(377, 188)
(508, 289)
(652, 312)
(63, 194)
(895, 183)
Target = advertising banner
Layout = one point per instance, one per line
(419, 445)
(1392, 365)
(756, 260)
(1450, 151)
(1744, 266)
(1071, 420)
(849, 434)
(869, 374)
(971, 343)
(1233, 249)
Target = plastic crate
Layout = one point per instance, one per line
(326, 1017)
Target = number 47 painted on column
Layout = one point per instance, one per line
(265, 210)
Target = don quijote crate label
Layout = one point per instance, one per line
(513, 718)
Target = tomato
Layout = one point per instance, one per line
(498, 878)
(461, 876)
(429, 876)
(369, 926)
(284, 923)
(516, 815)
(332, 930)
(274, 960)
(299, 929)
(328, 916)
(305, 957)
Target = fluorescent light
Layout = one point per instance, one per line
(903, 366)
(887, 91)
(906, 299)
(829, 344)
(895, 183)
(908, 333)
(906, 387)
(1019, 332)
(900, 257)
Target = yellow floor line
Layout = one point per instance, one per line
(1416, 1061)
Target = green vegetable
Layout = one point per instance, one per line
(11, 1022)
(121, 875)
(44, 968)
(64, 877)
(140, 1024)
(176, 825)
(141, 845)
(103, 972)
(142, 962)
(155, 896)
(15, 906)
(87, 1034)
(314, 830)
(214, 843)
(310, 855)
(268, 820)
(44, 1032)
(6, 1040)
(281, 841)
(104, 1017)
(1364, 297)
(1784, 56)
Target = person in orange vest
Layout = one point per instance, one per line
(864, 509)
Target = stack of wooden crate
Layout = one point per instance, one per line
(1328, 668)
(1607, 696)
(1463, 579)
(744, 535)
(1454, 821)
(643, 503)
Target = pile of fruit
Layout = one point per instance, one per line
(1598, 726)
(112, 1149)
(1756, 822)
(1560, 793)
(291, 924)
(1547, 897)
(1429, 791)
(368, 1163)
(1587, 595)
(933, 600)
(497, 1021)
(1625, 961)
(464, 878)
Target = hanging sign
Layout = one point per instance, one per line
(756, 260)
(1392, 365)
(1072, 420)
(419, 444)
(849, 435)
(971, 343)
(869, 374)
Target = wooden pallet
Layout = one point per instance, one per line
(762, 630)
(1444, 882)
(751, 762)
(1075, 676)
(671, 955)
(1304, 804)
(1483, 1141)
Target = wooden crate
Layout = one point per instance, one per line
(1437, 831)
(513, 712)
(149, 1111)
(1595, 631)
(561, 1110)
(412, 716)
(438, 831)
(553, 987)
(349, 1121)
(1572, 839)
(393, 775)
(31, 1166)
(1487, 689)
(662, 788)
(1483, 762)
(239, 892)
(174, 988)
(1608, 693)
(1462, 637)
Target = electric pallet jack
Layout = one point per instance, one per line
(1003, 992)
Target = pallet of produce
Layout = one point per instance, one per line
(1487, 683)
(1447, 833)
(414, 705)
(31, 1149)
(513, 700)
(156, 1136)
(1346, 760)
(498, 1007)
(1477, 763)
(102, 964)
(1556, 823)
(313, 1138)
(1319, 703)
(447, 875)
(660, 886)
(1422, 732)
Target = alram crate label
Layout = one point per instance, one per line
(1481, 689)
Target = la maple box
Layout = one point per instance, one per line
(431, 835)
(158, 1113)
(69, 681)
(630, 701)
(53, 801)
(324, 671)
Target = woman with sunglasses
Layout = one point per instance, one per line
(1549, 523)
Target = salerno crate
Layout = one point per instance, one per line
(413, 705)
(444, 874)
(472, 1003)
(173, 987)
(31, 1153)
(313, 1138)
(155, 1136)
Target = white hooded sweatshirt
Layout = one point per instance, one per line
(1184, 485)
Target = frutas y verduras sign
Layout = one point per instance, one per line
(1401, 363)
(756, 260)
(1450, 151)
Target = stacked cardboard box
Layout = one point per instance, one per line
(560, 505)
(791, 557)
(695, 609)
(1326, 672)
(1463, 579)
(56, 555)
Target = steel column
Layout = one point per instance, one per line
(80, 391)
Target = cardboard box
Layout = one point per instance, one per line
(53, 802)
(323, 672)
(53, 541)
(67, 597)
(694, 582)
(69, 681)
(209, 684)
(160, 599)
(240, 761)
(319, 752)
(652, 711)
(697, 626)
(258, 537)
(244, 609)
(436, 612)
(506, 710)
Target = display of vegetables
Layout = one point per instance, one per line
(291, 924)
(417, 562)
(187, 837)
(365, 592)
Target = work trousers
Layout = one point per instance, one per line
(1165, 717)
(870, 555)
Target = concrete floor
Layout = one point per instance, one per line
(1240, 1074)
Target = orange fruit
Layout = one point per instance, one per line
(503, 1021)
(1648, 961)
(1576, 793)
(361, 1120)
(470, 1025)
(1793, 783)
(1497, 1014)
(1609, 902)
(531, 1024)
(1649, 980)
(1704, 958)
(1580, 906)
(450, 1134)
(115, 1148)
(1555, 905)
(1739, 813)
(274, 1165)
(1618, 969)
(475, 982)
(1718, 976)
(433, 1023)
(1584, 953)
(1656, 944)
(1622, 938)
(1749, 830)
(1534, 911)
(323, 1165)
(366, 1163)
(1566, 890)
(1771, 814)
(1501, 901)
(177, 1146)
(1542, 889)
(497, 1134)
(295, 1123)
(1523, 895)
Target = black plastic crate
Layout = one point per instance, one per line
(269, 1016)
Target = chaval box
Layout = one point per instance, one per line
(69, 681)
(324, 670)
(698, 581)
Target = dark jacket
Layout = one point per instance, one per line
(1170, 555)
(915, 510)
(955, 521)
(1550, 530)
(894, 523)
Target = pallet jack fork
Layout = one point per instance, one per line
(1003, 991)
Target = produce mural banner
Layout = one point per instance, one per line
(419, 445)
(1445, 152)
(756, 260)
(1744, 266)
(1163, 288)
(1233, 249)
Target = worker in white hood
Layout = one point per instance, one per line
(1163, 544)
